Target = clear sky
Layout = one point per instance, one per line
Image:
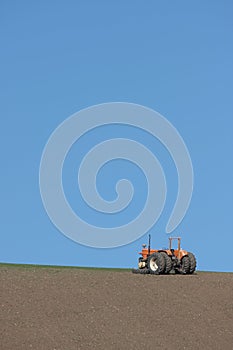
(58, 57)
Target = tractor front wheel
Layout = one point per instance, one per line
(156, 263)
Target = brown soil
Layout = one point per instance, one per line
(66, 309)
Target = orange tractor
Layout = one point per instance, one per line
(165, 261)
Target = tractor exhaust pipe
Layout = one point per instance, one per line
(149, 246)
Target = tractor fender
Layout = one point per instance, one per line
(179, 254)
(182, 253)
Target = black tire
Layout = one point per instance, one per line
(156, 264)
(185, 265)
(193, 262)
(168, 262)
(141, 271)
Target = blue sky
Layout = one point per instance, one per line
(60, 57)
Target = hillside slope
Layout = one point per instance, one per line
(55, 308)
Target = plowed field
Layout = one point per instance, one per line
(67, 308)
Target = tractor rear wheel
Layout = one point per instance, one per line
(168, 262)
(156, 263)
(185, 265)
(193, 262)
